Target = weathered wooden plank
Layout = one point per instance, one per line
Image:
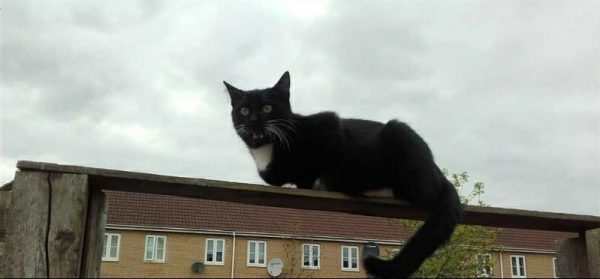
(27, 225)
(308, 199)
(572, 258)
(94, 235)
(592, 239)
(67, 223)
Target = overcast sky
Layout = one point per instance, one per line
(507, 91)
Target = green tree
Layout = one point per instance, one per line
(459, 257)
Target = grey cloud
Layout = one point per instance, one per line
(506, 91)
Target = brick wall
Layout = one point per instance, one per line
(183, 249)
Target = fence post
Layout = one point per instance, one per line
(94, 235)
(26, 226)
(46, 224)
(5, 195)
(572, 258)
(592, 238)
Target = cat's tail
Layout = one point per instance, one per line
(436, 230)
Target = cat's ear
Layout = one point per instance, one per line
(236, 95)
(283, 85)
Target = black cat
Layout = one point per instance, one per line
(350, 156)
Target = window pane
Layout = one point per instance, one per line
(305, 258)
(315, 255)
(219, 245)
(345, 259)
(354, 259)
(113, 252)
(150, 248)
(252, 253)
(160, 242)
(114, 241)
(219, 251)
(252, 247)
(104, 246)
(160, 254)
(113, 246)
(209, 250)
(160, 248)
(261, 253)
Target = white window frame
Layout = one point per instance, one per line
(311, 256)
(155, 248)
(479, 271)
(214, 261)
(256, 258)
(106, 247)
(554, 267)
(517, 261)
(349, 268)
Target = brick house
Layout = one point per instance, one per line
(163, 236)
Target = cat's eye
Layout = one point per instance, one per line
(267, 108)
(244, 111)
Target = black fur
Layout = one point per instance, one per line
(351, 156)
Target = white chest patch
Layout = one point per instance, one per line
(262, 156)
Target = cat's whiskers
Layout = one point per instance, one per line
(241, 130)
(284, 123)
(279, 134)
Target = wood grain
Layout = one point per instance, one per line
(572, 258)
(592, 239)
(27, 226)
(308, 199)
(67, 223)
(94, 237)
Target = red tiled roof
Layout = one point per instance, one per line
(159, 211)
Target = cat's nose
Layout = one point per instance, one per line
(253, 117)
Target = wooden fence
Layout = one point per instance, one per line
(52, 216)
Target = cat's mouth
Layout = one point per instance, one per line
(257, 135)
(255, 138)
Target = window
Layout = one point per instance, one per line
(484, 266)
(214, 251)
(349, 258)
(517, 265)
(110, 248)
(155, 248)
(554, 267)
(310, 256)
(257, 253)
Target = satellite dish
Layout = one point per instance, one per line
(275, 267)
(197, 267)
(371, 249)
